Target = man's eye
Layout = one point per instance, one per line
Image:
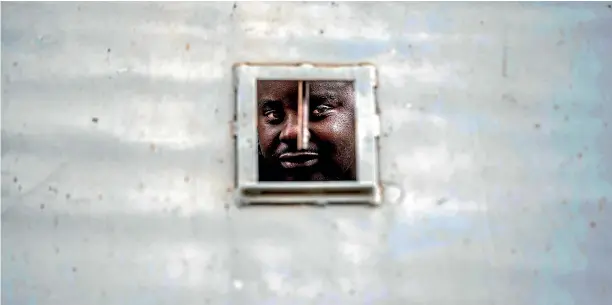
(321, 110)
(272, 115)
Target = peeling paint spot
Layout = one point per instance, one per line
(508, 97)
(505, 61)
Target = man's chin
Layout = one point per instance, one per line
(302, 175)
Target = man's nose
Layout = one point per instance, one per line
(291, 129)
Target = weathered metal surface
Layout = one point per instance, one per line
(117, 159)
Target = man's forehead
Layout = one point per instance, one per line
(275, 87)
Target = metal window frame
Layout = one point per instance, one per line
(250, 191)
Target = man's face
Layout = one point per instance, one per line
(330, 154)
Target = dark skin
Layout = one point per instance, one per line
(330, 155)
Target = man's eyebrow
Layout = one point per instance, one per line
(334, 84)
(268, 102)
(324, 94)
(331, 87)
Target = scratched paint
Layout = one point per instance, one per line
(117, 177)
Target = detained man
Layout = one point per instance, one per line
(330, 154)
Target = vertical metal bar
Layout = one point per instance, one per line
(300, 111)
(305, 115)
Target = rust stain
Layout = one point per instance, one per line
(187, 47)
(505, 61)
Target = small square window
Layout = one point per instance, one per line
(306, 134)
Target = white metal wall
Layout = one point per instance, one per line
(117, 161)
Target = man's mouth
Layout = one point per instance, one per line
(298, 159)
